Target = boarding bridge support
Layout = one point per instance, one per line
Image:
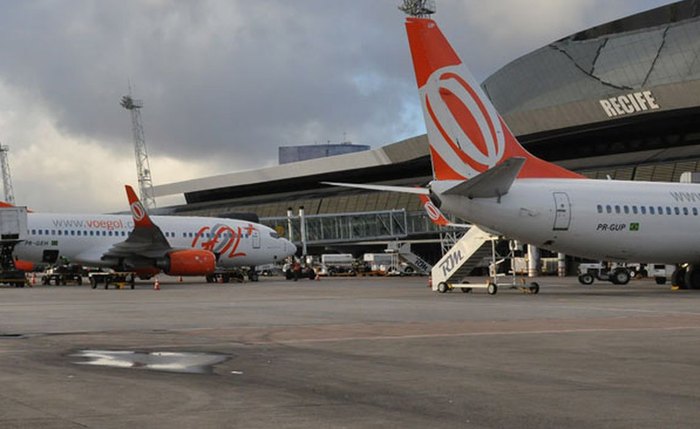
(463, 257)
(417, 264)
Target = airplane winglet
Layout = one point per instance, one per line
(138, 211)
(494, 182)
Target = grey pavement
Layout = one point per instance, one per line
(354, 353)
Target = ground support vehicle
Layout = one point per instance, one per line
(63, 274)
(13, 277)
(457, 263)
(616, 274)
(119, 280)
(237, 275)
(661, 272)
(306, 272)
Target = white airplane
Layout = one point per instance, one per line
(178, 245)
(483, 175)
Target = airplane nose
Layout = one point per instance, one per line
(289, 248)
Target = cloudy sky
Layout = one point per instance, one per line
(226, 82)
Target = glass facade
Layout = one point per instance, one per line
(575, 69)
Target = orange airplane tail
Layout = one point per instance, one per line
(466, 134)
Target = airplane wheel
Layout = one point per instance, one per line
(492, 289)
(585, 279)
(678, 278)
(442, 287)
(620, 276)
(534, 288)
(466, 290)
(93, 282)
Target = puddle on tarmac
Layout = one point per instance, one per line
(188, 363)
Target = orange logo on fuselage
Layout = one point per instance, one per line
(222, 239)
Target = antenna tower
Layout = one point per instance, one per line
(143, 168)
(6, 176)
(418, 8)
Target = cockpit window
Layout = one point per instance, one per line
(274, 235)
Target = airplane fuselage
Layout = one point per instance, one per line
(85, 238)
(597, 219)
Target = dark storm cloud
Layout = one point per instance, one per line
(232, 80)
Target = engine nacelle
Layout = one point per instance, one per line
(188, 262)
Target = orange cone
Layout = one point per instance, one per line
(156, 284)
(180, 279)
(33, 279)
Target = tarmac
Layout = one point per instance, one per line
(349, 353)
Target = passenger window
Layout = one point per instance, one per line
(643, 209)
(600, 208)
(627, 209)
(608, 209)
(53, 232)
(695, 211)
(685, 211)
(59, 232)
(46, 232)
(660, 210)
(33, 232)
(668, 210)
(634, 209)
(677, 211)
(617, 209)
(91, 233)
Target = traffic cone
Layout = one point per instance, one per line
(180, 279)
(33, 279)
(156, 284)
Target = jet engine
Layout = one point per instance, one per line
(188, 262)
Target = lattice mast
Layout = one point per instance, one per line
(6, 176)
(143, 168)
(418, 8)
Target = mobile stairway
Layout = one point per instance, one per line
(464, 256)
(415, 263)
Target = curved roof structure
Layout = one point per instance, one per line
(619, 99)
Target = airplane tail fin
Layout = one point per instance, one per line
(466, 134)
(138, 211)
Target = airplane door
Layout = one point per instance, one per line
(562, 212)
(256, 239)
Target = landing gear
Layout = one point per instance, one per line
(678, 278)
(691, 279)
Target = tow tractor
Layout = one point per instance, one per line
(63, 274)
(616, 274)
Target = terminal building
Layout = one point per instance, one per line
(619, 100)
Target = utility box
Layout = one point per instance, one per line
(13, 224)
